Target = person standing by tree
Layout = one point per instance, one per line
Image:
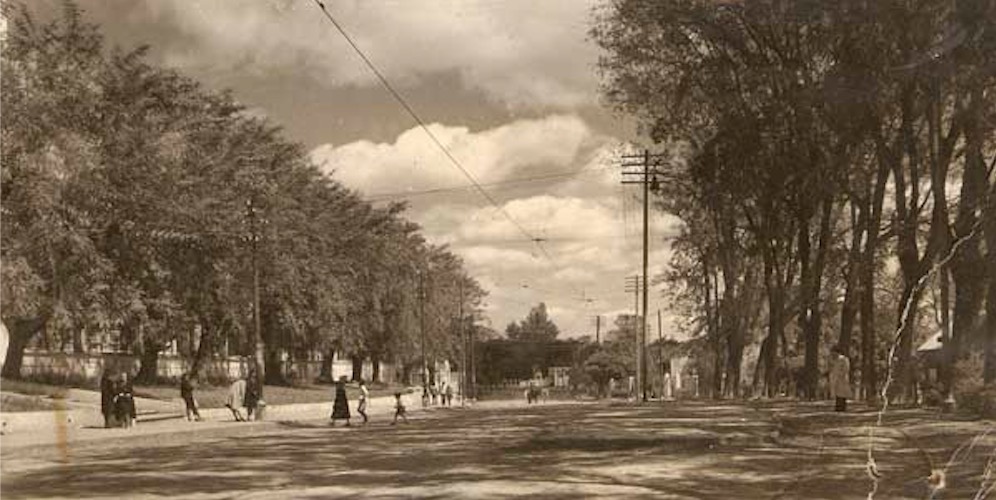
(187, 393)
(361, 407)
(840, 385)
(340, 408)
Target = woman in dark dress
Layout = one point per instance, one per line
(124, 401)
(107, 393)
(340, 409)
(252, 395)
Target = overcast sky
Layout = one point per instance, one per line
(508, 86)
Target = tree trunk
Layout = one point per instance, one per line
(989, 367)
(21, 332)
(148, 363)
(325, 374)
(869, 260)
(849, 310)
(201, 353)
(357, 367)
(375, 376)
(970, 283)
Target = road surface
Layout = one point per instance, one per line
(690, 450)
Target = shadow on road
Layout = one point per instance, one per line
(692, 451)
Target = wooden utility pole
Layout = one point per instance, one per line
(421, 326)
(598, 329)
(257, 339)
(647, 177)
(633, 284)
(461, 333)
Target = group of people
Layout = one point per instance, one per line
(443, 394)
(117, 399)
(245, 393)
(340, 405)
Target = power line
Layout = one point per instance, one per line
(522, 180)
(418, 120)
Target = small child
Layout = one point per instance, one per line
(399, 409)
(364, 395)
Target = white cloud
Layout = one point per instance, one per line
(591, 235)
(414, 162)
(517, 53)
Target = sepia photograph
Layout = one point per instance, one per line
(475, 249)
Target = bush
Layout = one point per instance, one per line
(970, 392)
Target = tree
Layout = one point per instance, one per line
(536, 327)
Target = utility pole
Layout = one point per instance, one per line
(463, 364)
(598, 329)
(648, 179)
(256, 341)
(660, 350)
(421, 325)
(633, 285)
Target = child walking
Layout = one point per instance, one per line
(399, 409)
(361, 407)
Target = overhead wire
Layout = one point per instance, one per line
(421, 124)
(508, 182)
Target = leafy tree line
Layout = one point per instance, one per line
(833, 164)
(136, 200)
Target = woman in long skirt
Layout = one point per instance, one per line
(340, 409)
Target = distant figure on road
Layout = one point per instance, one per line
(361, 407)
(448, 393)
(399, 409)
(340, 408)
(840, 384)
(124, 401)
(107, 394)
(236, 398)
(187, 393)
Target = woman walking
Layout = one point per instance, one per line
(187, 393)
(107, 394)
(340, 408)
(124, 402)
(236, 398)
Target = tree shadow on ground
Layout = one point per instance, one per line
(694, 451)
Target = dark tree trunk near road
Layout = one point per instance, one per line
(357, 367)
(148, 363)
(325, 374)
(21, 332)
(375, 376)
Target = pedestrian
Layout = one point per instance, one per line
(399, 409)
(449, 395)
(236, 398)
(840, 385)
(340, 408)
(252, 395)
(187, 393)
(107, 393)
(361, 407)
(433, 392)
(124, 401)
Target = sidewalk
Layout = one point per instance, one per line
(79, 421)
